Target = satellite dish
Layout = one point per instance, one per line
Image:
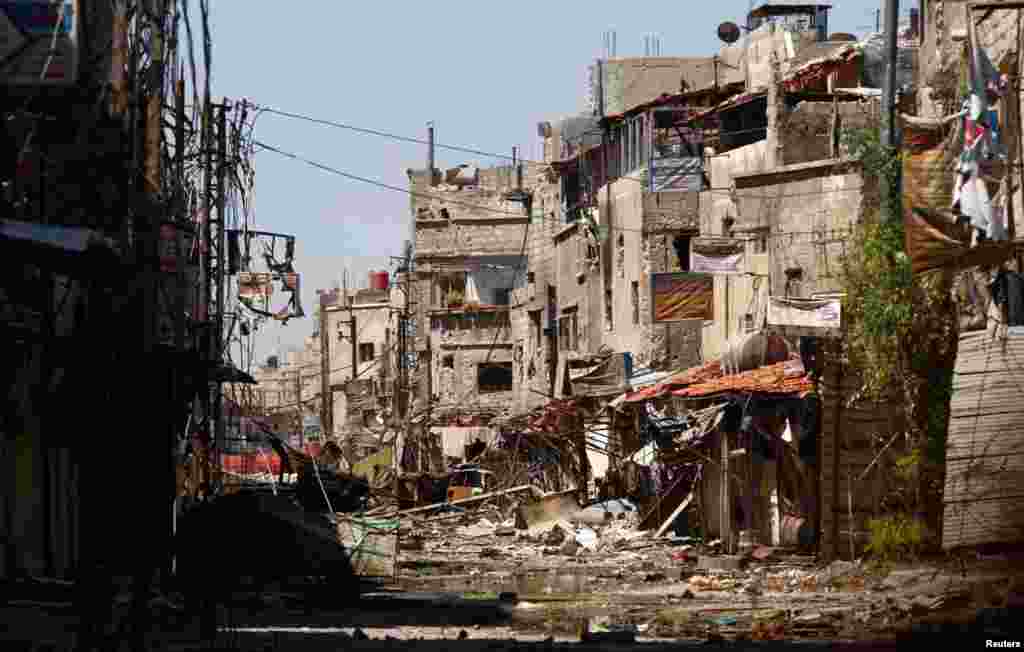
(729, 32)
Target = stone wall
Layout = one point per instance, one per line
(807, 132)
(453, 224)
(810, 209)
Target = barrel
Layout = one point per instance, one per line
(379, 280)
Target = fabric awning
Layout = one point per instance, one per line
(607, 378)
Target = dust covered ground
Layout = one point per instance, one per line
(485, 585)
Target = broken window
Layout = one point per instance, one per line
(681, 243)
(448, 362)
(636, 302)
(494, 377)
(744, 124)
(366, 351)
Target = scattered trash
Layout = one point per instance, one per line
(685, 553)
(555, 536)
(587, 538)
(724, 621)
(768, 631)
(655, 577)
(762, 553)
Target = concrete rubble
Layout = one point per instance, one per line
(642, 587)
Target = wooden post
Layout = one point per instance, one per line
(726, 513)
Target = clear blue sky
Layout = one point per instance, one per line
(485, 73)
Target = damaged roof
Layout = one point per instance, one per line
(781, 378)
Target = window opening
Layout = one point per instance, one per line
(494, 377)
(636, 302)
(366, 352)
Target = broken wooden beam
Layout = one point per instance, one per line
(463, 501)
(671, 519)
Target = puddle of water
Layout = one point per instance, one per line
(523, 584)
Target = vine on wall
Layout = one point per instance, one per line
(901, 334)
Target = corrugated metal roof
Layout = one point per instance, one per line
(984, 492)
(645, 377)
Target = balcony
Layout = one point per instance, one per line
(470, 328)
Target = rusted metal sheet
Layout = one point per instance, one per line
(984, 493)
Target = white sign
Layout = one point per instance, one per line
(812, 315)
(731, 264)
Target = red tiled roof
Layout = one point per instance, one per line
(780, 378)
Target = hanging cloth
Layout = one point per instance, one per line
(472, 299)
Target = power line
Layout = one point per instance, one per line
(384, 134)
(496, 211)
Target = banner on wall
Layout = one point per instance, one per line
(710, 257)
(682, 296)
(810, 317)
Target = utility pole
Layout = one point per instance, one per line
(222, 169)
(430, 155)
(888, 136)
(300, 418)
(326, 394)
(355, 374)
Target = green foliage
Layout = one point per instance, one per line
(901, 331)
(895, 538)
(878, 309)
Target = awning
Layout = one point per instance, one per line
(607, 378)
(782, 378)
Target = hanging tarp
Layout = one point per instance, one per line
(472, 298)
(717, 257)
(929, 163)
(934, 242)
(606, 379)
(805, 317)
(682, 296)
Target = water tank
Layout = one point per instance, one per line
(752, 350)
(378, 280)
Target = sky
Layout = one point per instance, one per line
(484, 73)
